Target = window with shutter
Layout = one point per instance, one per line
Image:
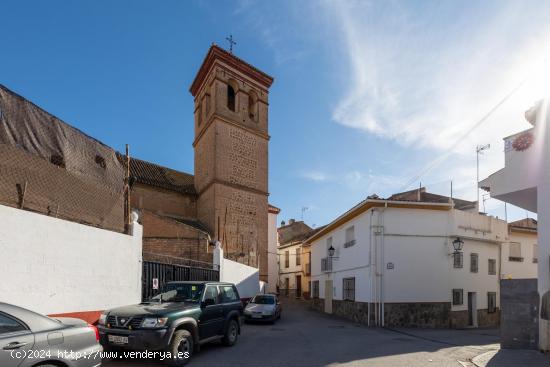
(474, 258)
(515, 252)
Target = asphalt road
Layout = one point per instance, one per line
(308, 338)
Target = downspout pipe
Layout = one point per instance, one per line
(383, 267)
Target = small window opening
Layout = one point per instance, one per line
(100, 161)
(57, 160)
(230, 98)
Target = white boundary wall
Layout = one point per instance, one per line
(55, 266)
(246, 278)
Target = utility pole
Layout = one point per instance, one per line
(479, 150)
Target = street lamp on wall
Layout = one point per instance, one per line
(331, 252)
(458, 244)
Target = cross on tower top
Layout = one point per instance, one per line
(231, 42)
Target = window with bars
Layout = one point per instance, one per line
(515, 252)
(348, 293)
(458, 260)
(287, 259)
(492, 267)
(458, 297)
(315, 289)
(350, 237)
(298, 256)
(491, 302)
(474, 263)
(326, 264)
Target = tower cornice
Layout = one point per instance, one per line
(216, 53)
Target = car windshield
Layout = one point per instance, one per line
(263, 300)
(180, 293)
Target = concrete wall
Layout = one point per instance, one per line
(246, 278)
(542, 144)
(54, 266)
(519, 327)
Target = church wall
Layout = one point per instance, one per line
(174, 251)
(165, 239)
(205, 160)
(164, 201)
(246, 226)
(241, 157)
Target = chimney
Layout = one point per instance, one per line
(291, 221)
(282, 223)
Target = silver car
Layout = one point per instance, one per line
(263, 307)
(30, 339)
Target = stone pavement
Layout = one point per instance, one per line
(512, 358)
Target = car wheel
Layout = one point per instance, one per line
(180, 346)
(231, 334)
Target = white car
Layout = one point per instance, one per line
(263, 307)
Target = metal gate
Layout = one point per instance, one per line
(167, 272)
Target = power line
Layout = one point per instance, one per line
(434, 163)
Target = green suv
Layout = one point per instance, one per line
(176, 321)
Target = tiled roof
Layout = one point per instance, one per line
(273, 209)
(295, 231)
(527, 223)
(152, 174)
(420, 195)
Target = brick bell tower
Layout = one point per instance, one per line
(231, 155)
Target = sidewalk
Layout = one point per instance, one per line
(512, 357)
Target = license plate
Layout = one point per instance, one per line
(256, 316)
(116, 339)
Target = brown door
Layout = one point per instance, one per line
(298, 286)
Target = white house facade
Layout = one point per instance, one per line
(394, 264)
(520, 254)
(272, 264)
(525, 182)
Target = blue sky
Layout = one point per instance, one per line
(366, 94)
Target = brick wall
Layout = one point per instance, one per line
(163, 201)
(165, 237)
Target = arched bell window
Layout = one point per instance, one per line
(230, 97)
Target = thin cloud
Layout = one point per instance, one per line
(316, 176)
(422, 84)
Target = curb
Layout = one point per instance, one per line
(484, 358)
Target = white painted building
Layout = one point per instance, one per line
(272, 264)
(393, 263)
(520, 254)
(525, 182)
